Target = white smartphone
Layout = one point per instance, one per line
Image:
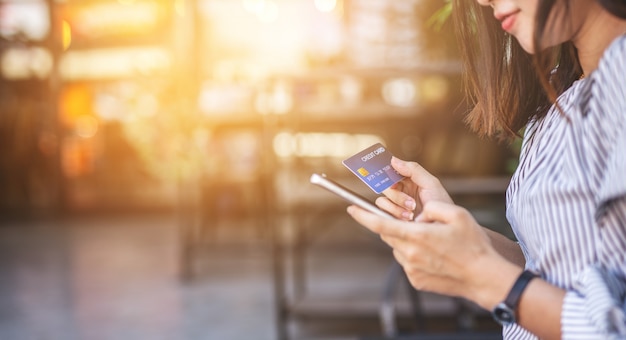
(348, 195)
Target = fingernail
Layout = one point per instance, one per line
(350, 209)
(410, 204)
(407, 215)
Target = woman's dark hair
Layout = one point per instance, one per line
(507, 86)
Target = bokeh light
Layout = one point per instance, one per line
(86, 126)
(400, 92)
(318, 144)
(26, 62)
(66, 34)
(142, 72)
(325, 5)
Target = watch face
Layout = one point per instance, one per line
(503, 314)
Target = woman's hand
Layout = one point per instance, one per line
(405, 199)
(445, 251)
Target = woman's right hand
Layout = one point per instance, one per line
(405, 199)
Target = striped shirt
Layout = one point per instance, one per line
(566, 202)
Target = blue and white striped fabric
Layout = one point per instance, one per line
(567, 202)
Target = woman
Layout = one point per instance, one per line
(557, 67)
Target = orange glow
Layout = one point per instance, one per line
(152, 87)
(114, 63)
(435, 89)
(75, 101)
(275, 37)
(122, 18)
(66, 35)
(86, 126)
(179, 7)
(77, 157)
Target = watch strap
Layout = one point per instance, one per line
(512, 300)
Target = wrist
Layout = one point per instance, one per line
(494, 282)
(506, 312)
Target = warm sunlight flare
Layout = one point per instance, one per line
(325, 5)
(161, 88)
(159, 159)
(24, 63)
(338, 145)
(114, 63)
(66, 35)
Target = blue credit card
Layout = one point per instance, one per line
(373, 167)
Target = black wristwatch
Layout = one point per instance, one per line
(505, 312)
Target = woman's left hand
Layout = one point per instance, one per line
(443, 251)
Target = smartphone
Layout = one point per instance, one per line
(347, 194)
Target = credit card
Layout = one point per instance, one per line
(373, 167)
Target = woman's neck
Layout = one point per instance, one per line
(598, 31)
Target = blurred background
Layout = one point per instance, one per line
(155, 156)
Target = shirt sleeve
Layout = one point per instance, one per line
(608, 108)
(595, 309)
(613, 182)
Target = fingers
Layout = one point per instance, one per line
(415, 172)
(433, 250)
(388, 227)
(400, 195)
(394, 242)
(438, 212)
(400, 198)
(403, 213)
(442, 212)
(429, 186)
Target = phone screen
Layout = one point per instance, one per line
(347, 194)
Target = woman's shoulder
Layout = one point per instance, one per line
(618, 43)
(613, 62)
(608, 82)
(604, 129)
